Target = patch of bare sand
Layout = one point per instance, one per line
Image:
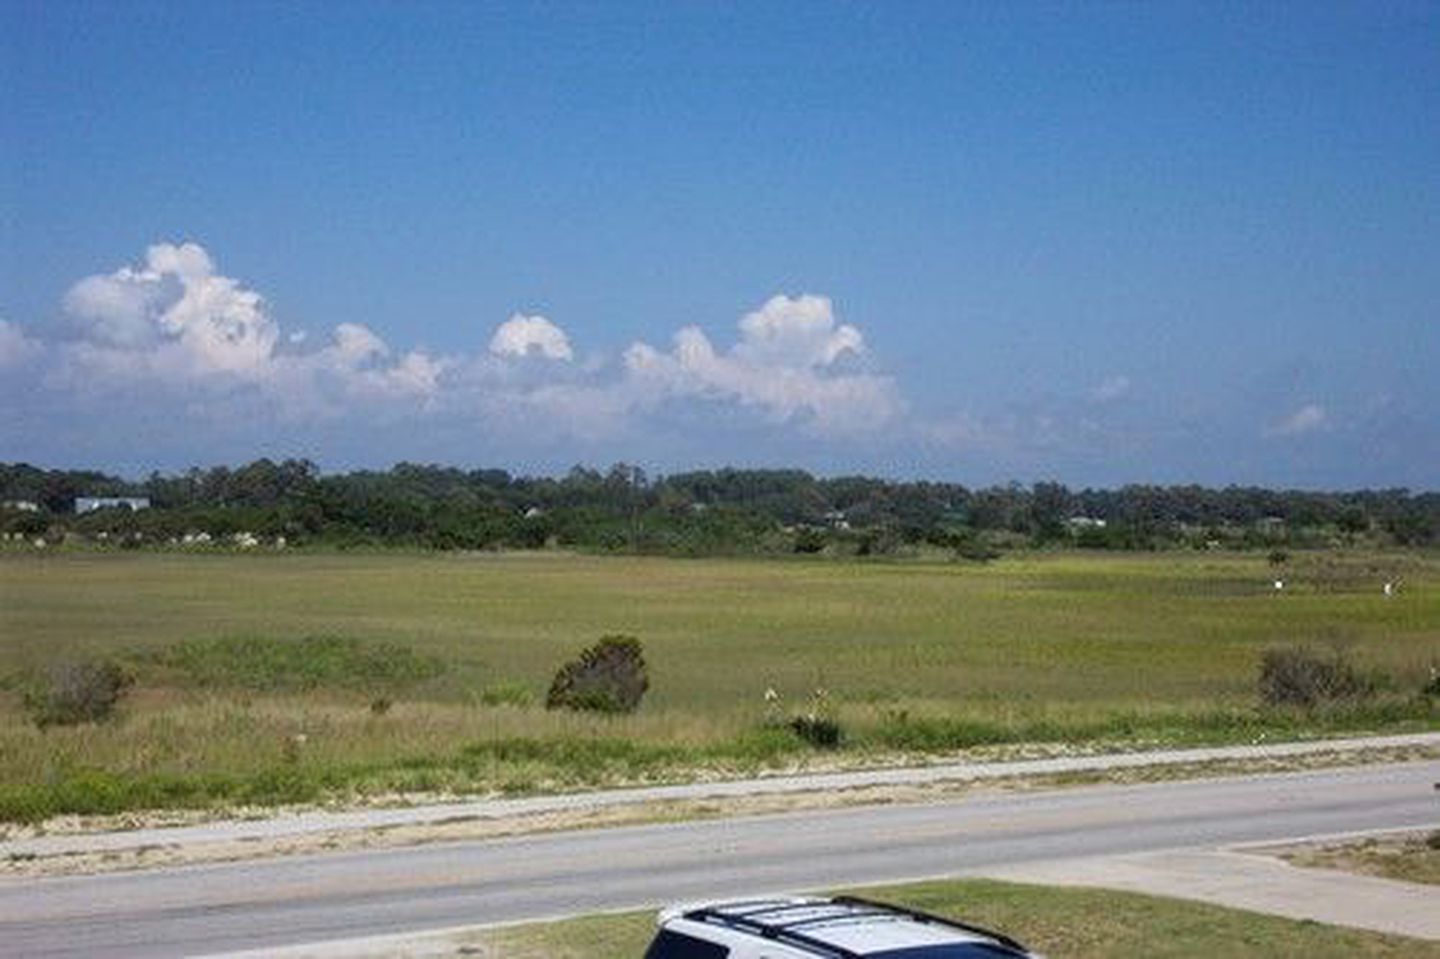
(1410, 856)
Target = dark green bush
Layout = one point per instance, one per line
(1308, 678)
(822, 732)
(609, 677)
(79, 692)
(977, 551)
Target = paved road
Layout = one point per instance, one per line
(286, 901)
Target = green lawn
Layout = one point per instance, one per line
(924, 655)
(1070, 923)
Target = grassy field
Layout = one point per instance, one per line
(915, 656)
(1075, 923)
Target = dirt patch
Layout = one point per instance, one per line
(1409, 857)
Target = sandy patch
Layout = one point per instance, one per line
(1406, 856)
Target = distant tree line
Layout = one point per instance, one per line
(707, 512)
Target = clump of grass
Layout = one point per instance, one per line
(574, 759)
(506, 694)
(95, 792)
(79, 692)
(269, 664)
(900, 730)
(1309, 678)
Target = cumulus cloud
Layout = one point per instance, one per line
(174, 322)
(783, 365)
(172, 335)
(1307, 419)
(177, 297)
(523, 335)
(16, 349)
(796, 332)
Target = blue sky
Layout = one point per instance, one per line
(1098, 243)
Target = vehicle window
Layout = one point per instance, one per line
(962, 950)
(675, 945)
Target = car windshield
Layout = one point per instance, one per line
(962, 950)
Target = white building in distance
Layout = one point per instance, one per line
(87, 504)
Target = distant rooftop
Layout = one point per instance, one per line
(87, 504)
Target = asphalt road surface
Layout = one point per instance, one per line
(255, 905)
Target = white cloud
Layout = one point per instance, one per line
(356, 344)
(176, 326)
(782, 365)
(173, 336)
(796, 332)
(523, 335)
(16, 349)
(177, 297)
(1307, 419)
(117, 308)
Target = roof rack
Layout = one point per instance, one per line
(789, 933)
(777, 931)
(920, 916)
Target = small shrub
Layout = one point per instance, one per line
(609, 677)
(83, 692)
(1278, 557)
(1305, 677)
(817, 725)
(822, 732)
(976, 551)
(380, 705)
(1432, 841)
(809, 541)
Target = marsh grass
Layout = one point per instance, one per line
(215, 754)
(918, 658)
(265, 663)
